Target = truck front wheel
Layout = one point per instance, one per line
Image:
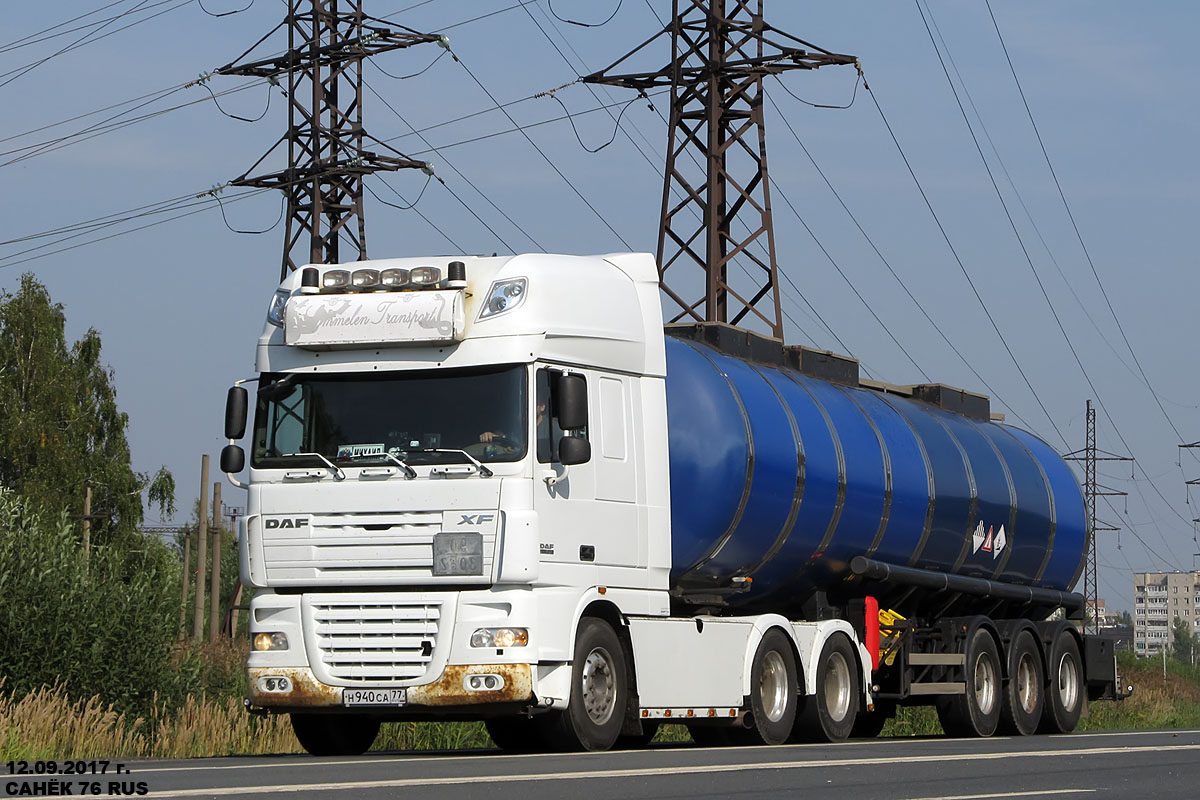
(335, 734)
(596, 709)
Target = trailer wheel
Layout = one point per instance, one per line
(774, 689)
(595, 711)
(514, 734)
(830, 714)
(335, 734)
(1064, 702)
(977, 711)
(1024, 695)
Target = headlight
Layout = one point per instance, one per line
(425, 276)
(335, 279)
(365, 278)
(270, 641)
(500, 637)
(504, 296)
(277, 308)
(393, 278)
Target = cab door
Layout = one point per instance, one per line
(588, 513)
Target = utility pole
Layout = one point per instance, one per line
(201, 555)
(233, 513)
(214, 591)
(327, 42)
(721, 50)
(1092, 489)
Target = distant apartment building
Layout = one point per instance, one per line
(1158, 598)
(1100, 613)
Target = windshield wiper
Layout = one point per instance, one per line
(483, 471)
(409, 472)
(337, 471)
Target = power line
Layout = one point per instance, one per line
(1029, 261)
(1071, 216)
(546, 158)
(30, 39)
(609, 19)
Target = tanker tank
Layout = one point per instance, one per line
(779, 479)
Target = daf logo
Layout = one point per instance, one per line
(476, 519)
(286, 522)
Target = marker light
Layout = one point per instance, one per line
(310, 281)
(500, 637)
(365, 278)
(456, 275)
(335, 279)
(504, 296)
(270, 641)
(425, 276)
(393, 278)
(277, 308)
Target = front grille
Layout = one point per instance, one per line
(375, 641)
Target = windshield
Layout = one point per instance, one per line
(357, 419)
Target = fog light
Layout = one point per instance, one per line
(278, 685)
(483, 683)
(270, 641)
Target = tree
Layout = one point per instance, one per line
(1185, 641)
(60, 427)
(1125, 619)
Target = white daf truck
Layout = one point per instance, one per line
(463, 479)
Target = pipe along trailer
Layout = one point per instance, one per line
(500, 489)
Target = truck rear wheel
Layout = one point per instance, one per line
(977, 711)
(774, 689)
(1064, 701)
(335, 734)
(595, 711)
(830, 714)
(1024, 695)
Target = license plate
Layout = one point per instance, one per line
(374, 697)
(458, 554)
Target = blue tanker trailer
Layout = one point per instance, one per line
(497, 489)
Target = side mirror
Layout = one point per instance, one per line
(571, 402)
(574, 450)
(233, 459)
(236, 403)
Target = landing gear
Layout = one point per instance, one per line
(830, 714)
(977, 711)
(596, 709)
(335, 734)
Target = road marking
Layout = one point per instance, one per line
(1034, 793)
(646, 772)
(206, 765)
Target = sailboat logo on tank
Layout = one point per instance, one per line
(990, 541)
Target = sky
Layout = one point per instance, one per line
(1111, 86)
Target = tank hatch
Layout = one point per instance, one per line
(750, 346)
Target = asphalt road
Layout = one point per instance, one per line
(1142, 764)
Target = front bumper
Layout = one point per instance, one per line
(449, 689)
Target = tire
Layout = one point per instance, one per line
(1064, 686)
(977, 711)
(638, 741)
(774, 692)
(514, 734)
(595, 711)
(830, 714)
(335, 734)
(1025, 690)
(869, 724)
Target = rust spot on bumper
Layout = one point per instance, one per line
(306, 691)
(448, 690)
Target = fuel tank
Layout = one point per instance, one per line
(779, 479)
